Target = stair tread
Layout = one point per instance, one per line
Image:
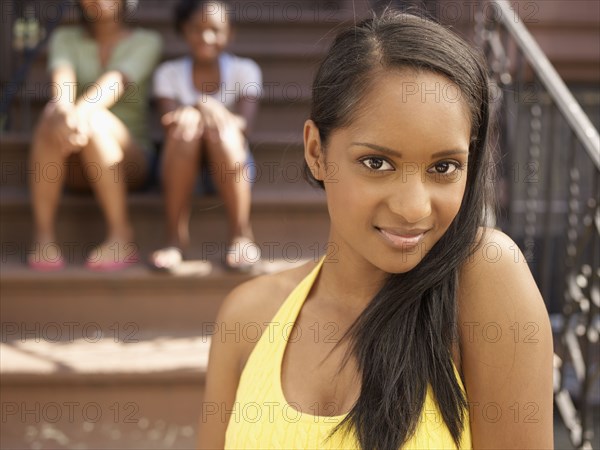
(104, 358)
(305, 196)
(251, 15)
(194, 271)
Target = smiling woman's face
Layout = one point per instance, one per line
(396, 176)
(207, 31)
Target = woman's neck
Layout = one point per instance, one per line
(204, 66)
(107, 31)
(347, 280)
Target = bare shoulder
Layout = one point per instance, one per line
(496, 286)
(256, 302)
(506, 347)
(496, 280)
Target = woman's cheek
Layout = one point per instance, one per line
(451, 200)
(347, 199)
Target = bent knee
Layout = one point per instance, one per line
(100, 125)
(230, 150)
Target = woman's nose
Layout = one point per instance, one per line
(410, 198)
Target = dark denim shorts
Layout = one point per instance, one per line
(205, 182)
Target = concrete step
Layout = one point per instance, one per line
(279, 158)
(287, 225)
(103, 394)
(246, 15)
(124, 306)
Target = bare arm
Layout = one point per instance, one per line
(61, 111)
(224, 371)
(103, 93)
(64, 89)
(507, 350)
(179, 121)
(217, 117)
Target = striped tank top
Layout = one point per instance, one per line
(261, 418)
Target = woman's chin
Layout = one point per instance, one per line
(401, 261)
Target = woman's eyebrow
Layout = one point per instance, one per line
(449, 153)
(379, 148)
(397, 154)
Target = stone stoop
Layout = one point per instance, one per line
(135, 301)
(91, 360)
(112, 392)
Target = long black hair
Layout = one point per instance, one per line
(403, 339)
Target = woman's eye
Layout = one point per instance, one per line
(377, 164)
(446, 167)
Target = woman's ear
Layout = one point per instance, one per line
(313, 152)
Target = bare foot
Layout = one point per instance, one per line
(166, 258)
(242, 254)
(113, 254)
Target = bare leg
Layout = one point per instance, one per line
(180, 169)
(227, 159)
(46, 158)
(119, 162)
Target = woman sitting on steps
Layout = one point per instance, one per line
(96, 119)
(207, 102)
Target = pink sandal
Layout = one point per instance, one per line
(46, 266)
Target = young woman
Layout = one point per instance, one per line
(420, 328)
(207, 100)
(94, 128)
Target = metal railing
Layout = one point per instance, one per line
(29, 36)
(550, 172)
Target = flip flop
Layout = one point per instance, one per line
(112, 266)
(169, 267)
(240, 249)
(46, 266)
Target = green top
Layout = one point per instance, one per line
(135, 56)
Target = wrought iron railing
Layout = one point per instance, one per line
(30, 33)
(549, 165)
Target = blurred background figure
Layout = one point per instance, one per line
(207, 101)
(95, 128)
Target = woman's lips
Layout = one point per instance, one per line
(401, 239)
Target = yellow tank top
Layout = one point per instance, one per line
(262, 418)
